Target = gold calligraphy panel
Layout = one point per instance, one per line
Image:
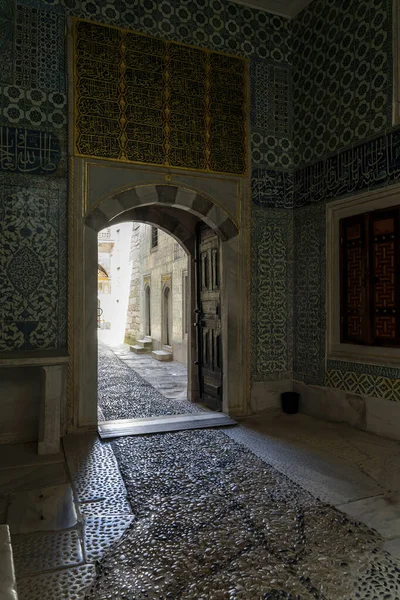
(145, 100)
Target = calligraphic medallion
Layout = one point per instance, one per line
(28, 151)
(145, 100)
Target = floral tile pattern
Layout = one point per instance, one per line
(33, 263)
(272, 286)
(309, 295)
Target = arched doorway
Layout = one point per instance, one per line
(147, 311)
(166, 316)
(175, 203)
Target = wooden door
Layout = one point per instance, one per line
(209, 318)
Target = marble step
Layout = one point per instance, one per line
(163, 424)
(8, 584)
(144, 343)
(161, 355)
(139, 349)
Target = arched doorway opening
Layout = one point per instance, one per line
(147, 311)
(177, 209)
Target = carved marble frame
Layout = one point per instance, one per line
(101, 191)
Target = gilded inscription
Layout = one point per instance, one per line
(145, 100)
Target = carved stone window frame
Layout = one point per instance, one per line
(347, 207)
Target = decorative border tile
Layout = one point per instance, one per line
(360, 368)
(364, 384)
(271, 103)
(372, 164)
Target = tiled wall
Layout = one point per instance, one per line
(33, 96)
(320, 127)
(342, 75)
(272, 298)
(343, 144)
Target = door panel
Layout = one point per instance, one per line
(209, 319)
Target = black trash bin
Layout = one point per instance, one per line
(290, 402)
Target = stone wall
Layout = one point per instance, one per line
(151, 266)
(320, 100)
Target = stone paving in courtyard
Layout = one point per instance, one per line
(213, 521)
(125, 394)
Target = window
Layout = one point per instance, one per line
(369, 289)
(154, 237)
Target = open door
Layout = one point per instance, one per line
(209, 317)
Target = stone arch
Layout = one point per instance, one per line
(97, 202)
(175, 196)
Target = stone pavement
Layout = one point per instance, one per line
(213, 520)
(196, 515)
(134, 386)
(169, 378)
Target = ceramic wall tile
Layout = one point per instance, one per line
(353, 379)
(341, 53)
(33, 263)
(317, 133)
(39, 49)
(309, 294)
(358, 168)
(7, 35)
(272, 287)
(272, 189)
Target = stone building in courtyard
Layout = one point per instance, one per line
(158, 296)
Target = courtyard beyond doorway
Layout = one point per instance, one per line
(135, 386)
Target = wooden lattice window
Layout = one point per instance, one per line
(370, 287)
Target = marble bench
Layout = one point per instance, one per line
(52, 364)
(8, 584)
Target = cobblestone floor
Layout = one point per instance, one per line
(124, 394)
(213, 521)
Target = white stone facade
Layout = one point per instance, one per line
(160, 268)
